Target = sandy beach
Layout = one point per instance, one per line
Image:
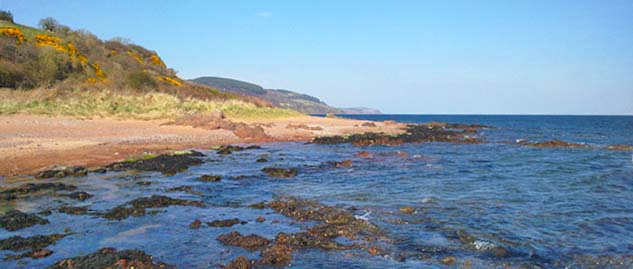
(29, 144)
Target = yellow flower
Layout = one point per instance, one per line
(135, 56)
(13, 32)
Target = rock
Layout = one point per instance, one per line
(251, 242)
(331, 115)
(99, 171)
(29, 188)
(80, 195)
(228, 149)
(368, 124)
(240, 262)
(210, 178)
(63, 171)
(414, 134)
(137, 207)
(407, 210)
(390, 122)
(364, 154)
(226, 222)
(280, 172)
(619, 147)
(37, 242)
(277, 255)
(144, 183)
(168, 164)
(111, 258)
(180, 189)
(450, 260)
(40, 253)
(556, 143)
(15, 220)
(45, 212)
(345, 163)
(195, 224)
(260, 205)
(262, 160)
(402, 154)
(303, 126)
(260, 219)
(74, 210)
(374, 250)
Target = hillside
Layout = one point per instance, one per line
(57, 70)
(279, 97)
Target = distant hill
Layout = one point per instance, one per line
(279, 97)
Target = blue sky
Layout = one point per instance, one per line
(466, 57)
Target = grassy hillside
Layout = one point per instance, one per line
(73, 72)
(282, 98)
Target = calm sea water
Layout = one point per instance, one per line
(546, 205)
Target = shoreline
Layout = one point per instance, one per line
(32, 143)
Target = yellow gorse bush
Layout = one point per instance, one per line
(13, 32)
(48, 40)
(158, 61)
(136, 56)
(174, 82)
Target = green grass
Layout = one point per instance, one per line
(106, 104)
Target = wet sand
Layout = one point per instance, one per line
(29, 144)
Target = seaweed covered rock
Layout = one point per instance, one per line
(619, 147)
(339, 164)
(29, 188)
(414, 134)
(556, 143)
(137, 207)
(37, 242)
(167, 163)
(15, 220)
(226, 222)
(251, 241)
(228, 149)
(280, 172)
(63, 171)
(111, 258)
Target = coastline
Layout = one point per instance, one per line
(32, 143)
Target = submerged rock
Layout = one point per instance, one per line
(407, 210)
(251, 241)
(15, 220)
(34, 254)
(111, 258)
(556, 143)
(481, 245)
(167, 163)
(37, 242)
(28, 188)
(63, 171)
(210, 178)
(280, 172)
(226, 222)
(137, 207)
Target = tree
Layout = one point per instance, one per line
(6, 16)
(49, 24)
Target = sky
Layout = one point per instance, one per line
(402, 57)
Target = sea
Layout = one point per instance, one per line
(548, 207)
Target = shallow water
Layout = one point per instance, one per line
(545, 205)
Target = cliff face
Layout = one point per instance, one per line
(279, 97)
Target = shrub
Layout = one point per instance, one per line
(6, 16)
(140, 80)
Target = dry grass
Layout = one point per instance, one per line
(107, 104)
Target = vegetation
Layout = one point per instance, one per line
(109, 104)
(59, 71)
